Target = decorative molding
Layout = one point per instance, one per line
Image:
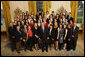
(17, 11)
(61, 10)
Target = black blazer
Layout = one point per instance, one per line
(37, 17)
(11, 32)
(15, 27)
(67, 16)
(71, 18)
(43, 35)
(35, 32)
(24, 34)
(75, 32)
(52, 33)
(18, 36)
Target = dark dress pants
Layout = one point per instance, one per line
(44, 45)
(13, 44)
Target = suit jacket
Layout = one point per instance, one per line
(52, 21)
(35, 31)
(37, 17)
(75, 32)
(18, 35)
(66, 16)
(70, 19)
(69, 34)
(15, 27)
(52, 33)
(11, 32)
(47, 20)
(43, 35)
(24, 34)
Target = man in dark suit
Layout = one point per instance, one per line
(12, 36)
(75, 36)
(24, 36)
(44, 37)
(18, 36)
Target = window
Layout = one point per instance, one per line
(2, 17)
(80, 15)
(3, 27)
(39, 6)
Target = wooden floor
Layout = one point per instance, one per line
(6, 51)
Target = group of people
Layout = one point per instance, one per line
(40, 31)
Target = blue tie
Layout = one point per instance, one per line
(43, 29)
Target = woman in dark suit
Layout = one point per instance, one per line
(51, 35)
(35, 36)
(69, 38)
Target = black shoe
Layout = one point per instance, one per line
(56, 49)
(31, 50)
(25, 50)
(68, 49)
(12, 50)
(18, 52)
(42, 51)
(46, 50)
(74, 49)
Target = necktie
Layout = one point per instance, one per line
(43, 29)
(50, 31)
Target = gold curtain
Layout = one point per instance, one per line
(6, 11)
(30, 10)
(74, 8)
(32, 7)
(46, 6)
(83, 27)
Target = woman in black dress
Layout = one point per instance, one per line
(35, 35)
(65, 34)
(56, 35)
